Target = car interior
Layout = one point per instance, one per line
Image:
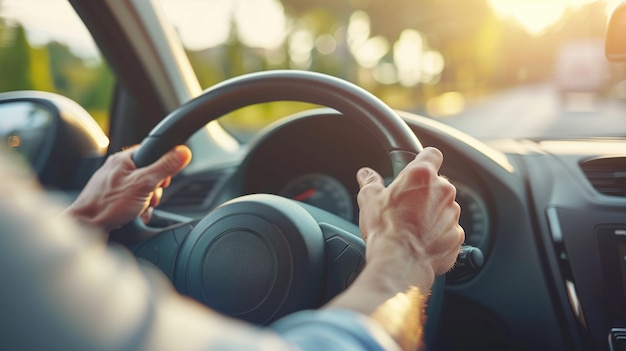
(262, 228)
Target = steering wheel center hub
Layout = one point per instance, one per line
(239, 257)
(255, 258)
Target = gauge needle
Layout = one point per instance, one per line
(305, 195)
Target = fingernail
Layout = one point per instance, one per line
(182, 153)
(362, 174)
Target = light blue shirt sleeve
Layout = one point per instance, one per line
(333, 329)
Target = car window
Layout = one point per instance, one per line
(51, 50)
(492, 68)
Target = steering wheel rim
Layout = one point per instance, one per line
(292, 85)
(279, 85)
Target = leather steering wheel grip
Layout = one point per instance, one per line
(282, 85)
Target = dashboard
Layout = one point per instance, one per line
(324, 151)
(553, 276)
(319, 155)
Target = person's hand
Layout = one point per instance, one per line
(412, 233)
(415, 219)
(119, 191)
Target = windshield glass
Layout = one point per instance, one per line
(491, 68)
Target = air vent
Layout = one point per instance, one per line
(607, 175)
(192, 194)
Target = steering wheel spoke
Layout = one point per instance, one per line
(345, 258)
(162, 248)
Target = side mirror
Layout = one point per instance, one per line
(615, 45)
(54, 135)
(26, 127)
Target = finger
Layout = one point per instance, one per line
(127, 152)
(370, 183)
(157, 194)
(366, 176)
(457, 237)
(430, 155)
(166, 166)
(429, 158)
(120, 161)
(130, 148)
(146, 216)
(166, 182)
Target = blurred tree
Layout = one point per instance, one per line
(63, 65)
(15, 59)
(2, 23)
(341, 9)
(390, 17)
(99, 90)
(54, 68)
(40, 69)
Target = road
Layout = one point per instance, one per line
(536, 111)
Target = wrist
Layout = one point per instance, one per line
(82, 214)
(399, 273)
(388, 296)
(399, 262)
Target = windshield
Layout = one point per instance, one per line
(491, 68)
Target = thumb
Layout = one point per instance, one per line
(370, 183)
(169, 164)
(366, 176)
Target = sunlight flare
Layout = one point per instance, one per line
(535, 15)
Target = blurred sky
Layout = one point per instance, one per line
(50, 19)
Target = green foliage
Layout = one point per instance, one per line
(54, 68)
(90, 82)
(15, 59)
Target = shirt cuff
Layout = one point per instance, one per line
(333, 329)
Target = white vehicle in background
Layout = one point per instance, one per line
(581, 67)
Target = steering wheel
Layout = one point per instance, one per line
(260, 257)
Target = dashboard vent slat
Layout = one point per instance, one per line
(607, 175)
(192, 194)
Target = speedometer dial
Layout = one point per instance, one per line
(321, 191)
(474, 216)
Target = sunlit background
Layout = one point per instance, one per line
(431, 57)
